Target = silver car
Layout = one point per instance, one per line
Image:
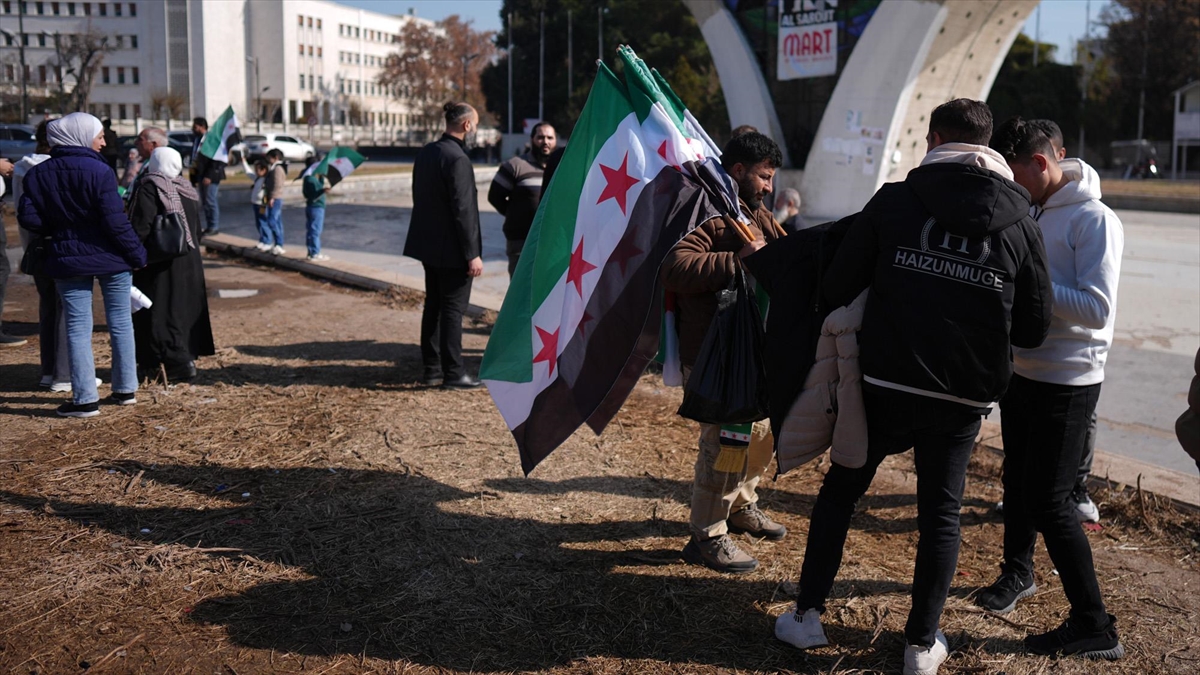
(293, 148)
(16, 141)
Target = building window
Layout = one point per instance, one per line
(356, 31)
(41, 39)
(121, 111)
(71, 8)
(54, 8)
(319, 52)
(104, 75)
(133, 42)
(318, 24)
(6, 6)
(300, 21)
(136, 76)
(108, 110)
(320, 82)
(103, 12)
(133, 12)
(40, 8)
(310, 22)
(10, 72)
(137, 107)
(310, 81)
(301, 50)
(42, 74)
(87, 9)
(310, 50)
(117, 12)
(120, 41)
(121, 75)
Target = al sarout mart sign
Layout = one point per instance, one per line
(807, 39)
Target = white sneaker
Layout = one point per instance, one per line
(65, 386)
(320, 257)
(263, 246)
(802, 631)
(277, 250)
(1085, 509)
(925, 660)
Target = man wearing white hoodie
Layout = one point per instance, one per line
(1053, 393)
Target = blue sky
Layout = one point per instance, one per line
(1062, 21)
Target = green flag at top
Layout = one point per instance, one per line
(221, 136)
(581, 318)
(338, 163)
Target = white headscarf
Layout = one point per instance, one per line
(165, 161)
(77, 129)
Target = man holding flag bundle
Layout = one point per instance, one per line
(210, 154)
(582, 316)
(732, 459)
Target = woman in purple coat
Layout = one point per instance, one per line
(72, 198)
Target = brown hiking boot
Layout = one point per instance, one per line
(720, 554)
(755, 523)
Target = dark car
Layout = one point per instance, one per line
(16, 141)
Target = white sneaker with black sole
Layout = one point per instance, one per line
(1085, 508)
(802, 631)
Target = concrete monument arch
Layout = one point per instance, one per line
(914, 55)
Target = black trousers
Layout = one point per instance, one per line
(48, 309)
(447, 294)
(1045, 432)
(942, 435)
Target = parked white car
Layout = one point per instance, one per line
(293, 148)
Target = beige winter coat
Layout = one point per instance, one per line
(829, 410)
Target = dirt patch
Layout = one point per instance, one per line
(307, 506)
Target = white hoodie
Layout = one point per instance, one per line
(1084, 240)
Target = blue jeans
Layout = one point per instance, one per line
(260, 222)
(275, 222)
(76, 294)
(212, 209)
(314, 217)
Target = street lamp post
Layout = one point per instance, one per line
(466, 58)
(257, 88)
(24, 68)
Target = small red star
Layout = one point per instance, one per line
(624, 251)
(549, 351)
(578, 268)
(619, 182)
(583, 321)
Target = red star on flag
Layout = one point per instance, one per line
(624, 251)
(549, 351)
(578, 268)
(584, 321)
(664, 150)
(618, 183)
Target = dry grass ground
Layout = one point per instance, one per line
(307, 506)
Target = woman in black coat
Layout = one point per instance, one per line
(175, 329)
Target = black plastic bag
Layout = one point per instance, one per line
(728, 385)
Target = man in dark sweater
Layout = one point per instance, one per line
(444, 235)
(516, 190)
(957, 276)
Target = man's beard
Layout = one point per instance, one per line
(752, 199)
(781, 215)
(539, 155)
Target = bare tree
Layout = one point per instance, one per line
(434, 63)
(78, 56)
(169, 104)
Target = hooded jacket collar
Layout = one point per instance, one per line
(971, 155)
(1084, 185)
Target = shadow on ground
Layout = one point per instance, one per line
(399, 566)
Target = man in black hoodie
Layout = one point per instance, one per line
(957, 274)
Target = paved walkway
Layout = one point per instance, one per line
(366, 238)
